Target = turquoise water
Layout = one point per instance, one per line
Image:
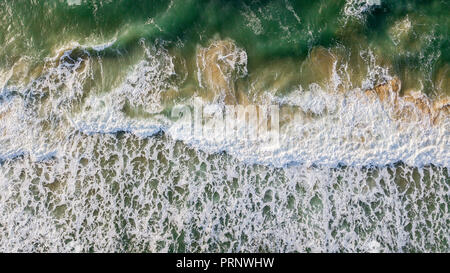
(92, 159)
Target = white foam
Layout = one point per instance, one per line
(345, 129)
(348, 129)
(358, 8)
(253, 22)
(105, 116)
(139, 193)
(16, 122)
(143, 87)
(109, 194)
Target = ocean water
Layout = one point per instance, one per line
(351, 151)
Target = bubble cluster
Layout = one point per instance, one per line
(120, 193)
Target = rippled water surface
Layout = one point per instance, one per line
(92, 158)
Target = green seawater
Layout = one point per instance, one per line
(266, 29)
(83, 84)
